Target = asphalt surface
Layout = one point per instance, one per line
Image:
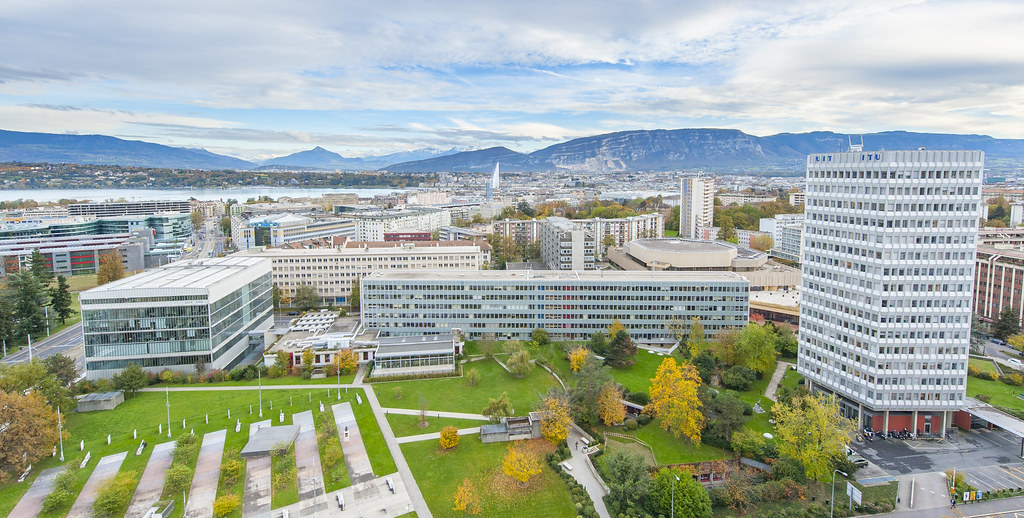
(964, 451)
(68, 341)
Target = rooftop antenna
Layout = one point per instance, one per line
(855, 147)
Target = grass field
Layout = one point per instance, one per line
(405, 425)
(669, 449)
(146, 411)
(671, 233)
(791, 380)
(637, 377)
(1001, 393)
(454, 395)
(982, 365)
(267, 381)
(439, 474)
(81, 282)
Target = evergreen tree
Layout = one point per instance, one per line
(29, 299)
(1007, 324)
(6, 317)
(60, 298)
(622, 350)
(39, 267)
(354, 300)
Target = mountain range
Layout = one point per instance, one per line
(699, 148)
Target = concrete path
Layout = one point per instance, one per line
(256, 499)
(584, 472)
(31, 503)
(307, 460)
(352, 448)
(204, 483)
(1002, 508)
(360, 374)
(773, 385)
(434, 413)
(106, 468)
(434, 436)
(151, 485)
(371, 498)
(415, 496)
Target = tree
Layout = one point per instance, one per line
(197, 220)
(61, 367)
(673, 484)
(1016, 341)
(466, 499)
(283, 359)
(555, 422)
(622, 350)
(276, 294)
(696, 342)
(498, 408)
(28, 433)
(728, 419)
(355, 300)
(225, 225)
(131, 379)
(7, 326)
(525, 209)
(577, 357)
(307, 361)
(629, 481)
(584, 395)
(540, 335)
(347, 361)
(519, 364)
(449, 437)
(29, 299)
(813, 430)
(762, 243)
(396, 392)
(306, 297)
(111, 268)
(609, 404)
(39, 267)
(674, 399)
(472, 377)
(60, 299)
(520, 464)
(22, 378)
(200, 365)
(225, 504)
(615, 327)
(755, 348)
(1007, 324)
(598, 343)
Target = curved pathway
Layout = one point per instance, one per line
(773, 385)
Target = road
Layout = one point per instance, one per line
(68, 341)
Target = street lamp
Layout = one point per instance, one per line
(167, 396)
(259, 378)
(60, 435)
(674, 495)
(832, 503)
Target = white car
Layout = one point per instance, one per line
(1015, 363)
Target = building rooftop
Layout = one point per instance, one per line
(197, 274)
(566, 275)
(371, 247)
(100, 396)
(680, 245)
(423, 344)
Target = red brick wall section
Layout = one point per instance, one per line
(962, 420)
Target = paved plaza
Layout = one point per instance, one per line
(151, 484)
(356, 459)
(204, 483)
(106, 468)
(32, 502)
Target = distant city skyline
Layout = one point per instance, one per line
(257, 81)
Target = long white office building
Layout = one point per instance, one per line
(570, 305)
(888, 267)
(213, 311)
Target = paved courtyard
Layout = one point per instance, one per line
(152, 482)
(307, 460)
(962, 450)
(256, 501)
(204, 483)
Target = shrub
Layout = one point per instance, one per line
(472, 377)
(973, 370)
(747, 442)
(991, 376)
(643, 419)
(113, 498)
(640, 398)
(984, 398)
(166, 375)
(231, 469)
(738, 377)
(178, 479)
(449, 437)
(275, 372)
(62, 493)
(631, 424)
(225, 505)
(1014, 379)
(332, 453)
(237, 374)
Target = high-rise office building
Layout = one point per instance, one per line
(888, 267)
(696, 206)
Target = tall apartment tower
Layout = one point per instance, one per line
(888, 268)
(696, 206)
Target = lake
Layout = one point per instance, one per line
(239, 193)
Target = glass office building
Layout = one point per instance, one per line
(177, 316)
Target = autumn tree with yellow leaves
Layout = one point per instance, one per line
(674, 399)
(609, 404)
(520, 464)
(812, 429)
(466, 499)
(555, 423)
(449, 437)
(578, 357)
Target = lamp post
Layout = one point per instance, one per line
(167, 397)
(260, 379)
(314, 496)
(832, 503)
(673, 512)
(339, 380)
(60, 435)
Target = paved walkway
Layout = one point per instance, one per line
(352, 448)
(434, 436)
(584, 472)
(371, 498)
(773, 385)
(256, 499)
(151, 485)
(31, 503)
(307, 460)
(204, 483)
(106, 468)
(1003, 508)
(419, 504)
(434, 413)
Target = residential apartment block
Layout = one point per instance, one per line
(696, 206)
(620, 230)
(888, 270)
(564, 245)
(570, 305)
(787, 233)
(212, 311)
(371, 225)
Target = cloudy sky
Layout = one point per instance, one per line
(256, 78)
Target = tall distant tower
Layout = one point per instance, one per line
(492, 186)
(696, 206)
(888, 268)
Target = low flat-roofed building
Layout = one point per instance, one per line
(279, 229)
(693, 254)
(176, 316)
(100, 401)
(423, 354)
(570, 305)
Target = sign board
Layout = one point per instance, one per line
(855, 495)
(971, 496)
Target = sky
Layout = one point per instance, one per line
(257, 79)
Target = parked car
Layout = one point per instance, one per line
(1015, 363)
(858, 461)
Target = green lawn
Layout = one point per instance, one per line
(669, 449)
(81, 282)
(268, 381)
(637, 377)
(335, 477)
(671, 233)
(819, 492)
(439, 474)
(453, 395)
(1002, 394)
(146, 410)
(405, 425)
(284, 489)
(982, 365)
(791, 380)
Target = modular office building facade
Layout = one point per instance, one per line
(888, 269)
(569, 305)
(175, 316)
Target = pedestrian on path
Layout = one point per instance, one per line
(577, 445)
